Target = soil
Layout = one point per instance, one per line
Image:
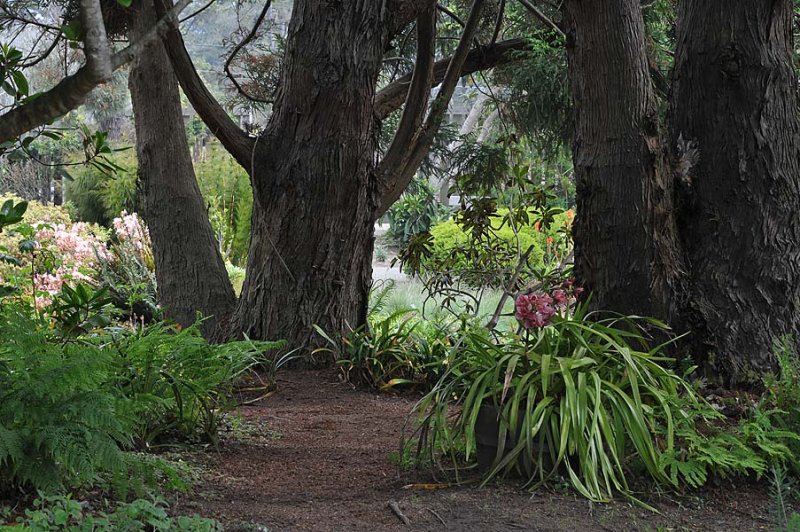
(315, 456)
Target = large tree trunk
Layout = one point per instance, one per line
(190, 272)
(626, 253)
(734, 95)
(310, 260)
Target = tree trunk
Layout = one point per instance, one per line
(310, 259)
(190, 273)
(734, 96)
(626, 253)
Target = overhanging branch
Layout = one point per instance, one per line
(394, 179)
(250, 36)
(72, 91)
(391, 97)
(238, 143)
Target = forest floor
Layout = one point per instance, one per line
(314, 455)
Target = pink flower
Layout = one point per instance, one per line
(560, 297)
(534, 310)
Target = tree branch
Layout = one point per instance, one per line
(393, 180)
(392, 96)
(165, 22)
(250, 36)
(95, 42)
(238, 143)
(72, 91)
(527, 4)
(416, 103)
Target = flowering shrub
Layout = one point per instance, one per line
(49, 252)
(63, 253)
(128, 268)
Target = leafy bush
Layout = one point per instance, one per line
(389, 353)
(127, 269)
(59, 423)
(62, 513)
(99, 196)
(173, 384)
(575, 396)
(226, 189)
(492, 259)
(398, 350)
(44, 255)
(414, 213)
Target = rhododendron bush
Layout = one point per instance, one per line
(48, 251)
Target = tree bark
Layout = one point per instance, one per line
(734, 97)
(190, 273)
(313, 175)
(626, 253)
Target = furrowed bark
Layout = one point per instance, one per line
(190, 273)
(734, 103)
(626, 249)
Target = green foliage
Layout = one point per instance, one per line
(12, 212)
(578, 397)
(127, 271)
(782, 491)
(538, 94)
(414, 213)
(98, 196)
(59, 425)
(174, 385)
(226, 188)
(63, 513)
(81, 310)
(389, 352)
(399, 350)
(492, 258)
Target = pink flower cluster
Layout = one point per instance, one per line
(536, 310)
(75, 249)
(131, 228)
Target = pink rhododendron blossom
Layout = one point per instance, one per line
(534, 310)
(560, 297)
(131, 228)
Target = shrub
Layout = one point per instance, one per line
(414, 213)
(492, 259)
(577, 396)
(59, 424)
(49, 252)
(127, 269)
(62, 513)
(97, 196)
(389, 353)
(173, 384)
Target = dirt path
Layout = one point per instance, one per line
(314, 456)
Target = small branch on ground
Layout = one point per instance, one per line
(399, 513)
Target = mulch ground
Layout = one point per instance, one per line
(315, 456)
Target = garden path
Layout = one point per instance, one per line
(315, 456)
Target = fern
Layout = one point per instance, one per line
(379, 297)
(57, 425)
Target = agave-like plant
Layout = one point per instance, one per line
(582, 396)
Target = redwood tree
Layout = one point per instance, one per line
(626, 252)
(190, 273)
(734, 97)
(318, 188)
